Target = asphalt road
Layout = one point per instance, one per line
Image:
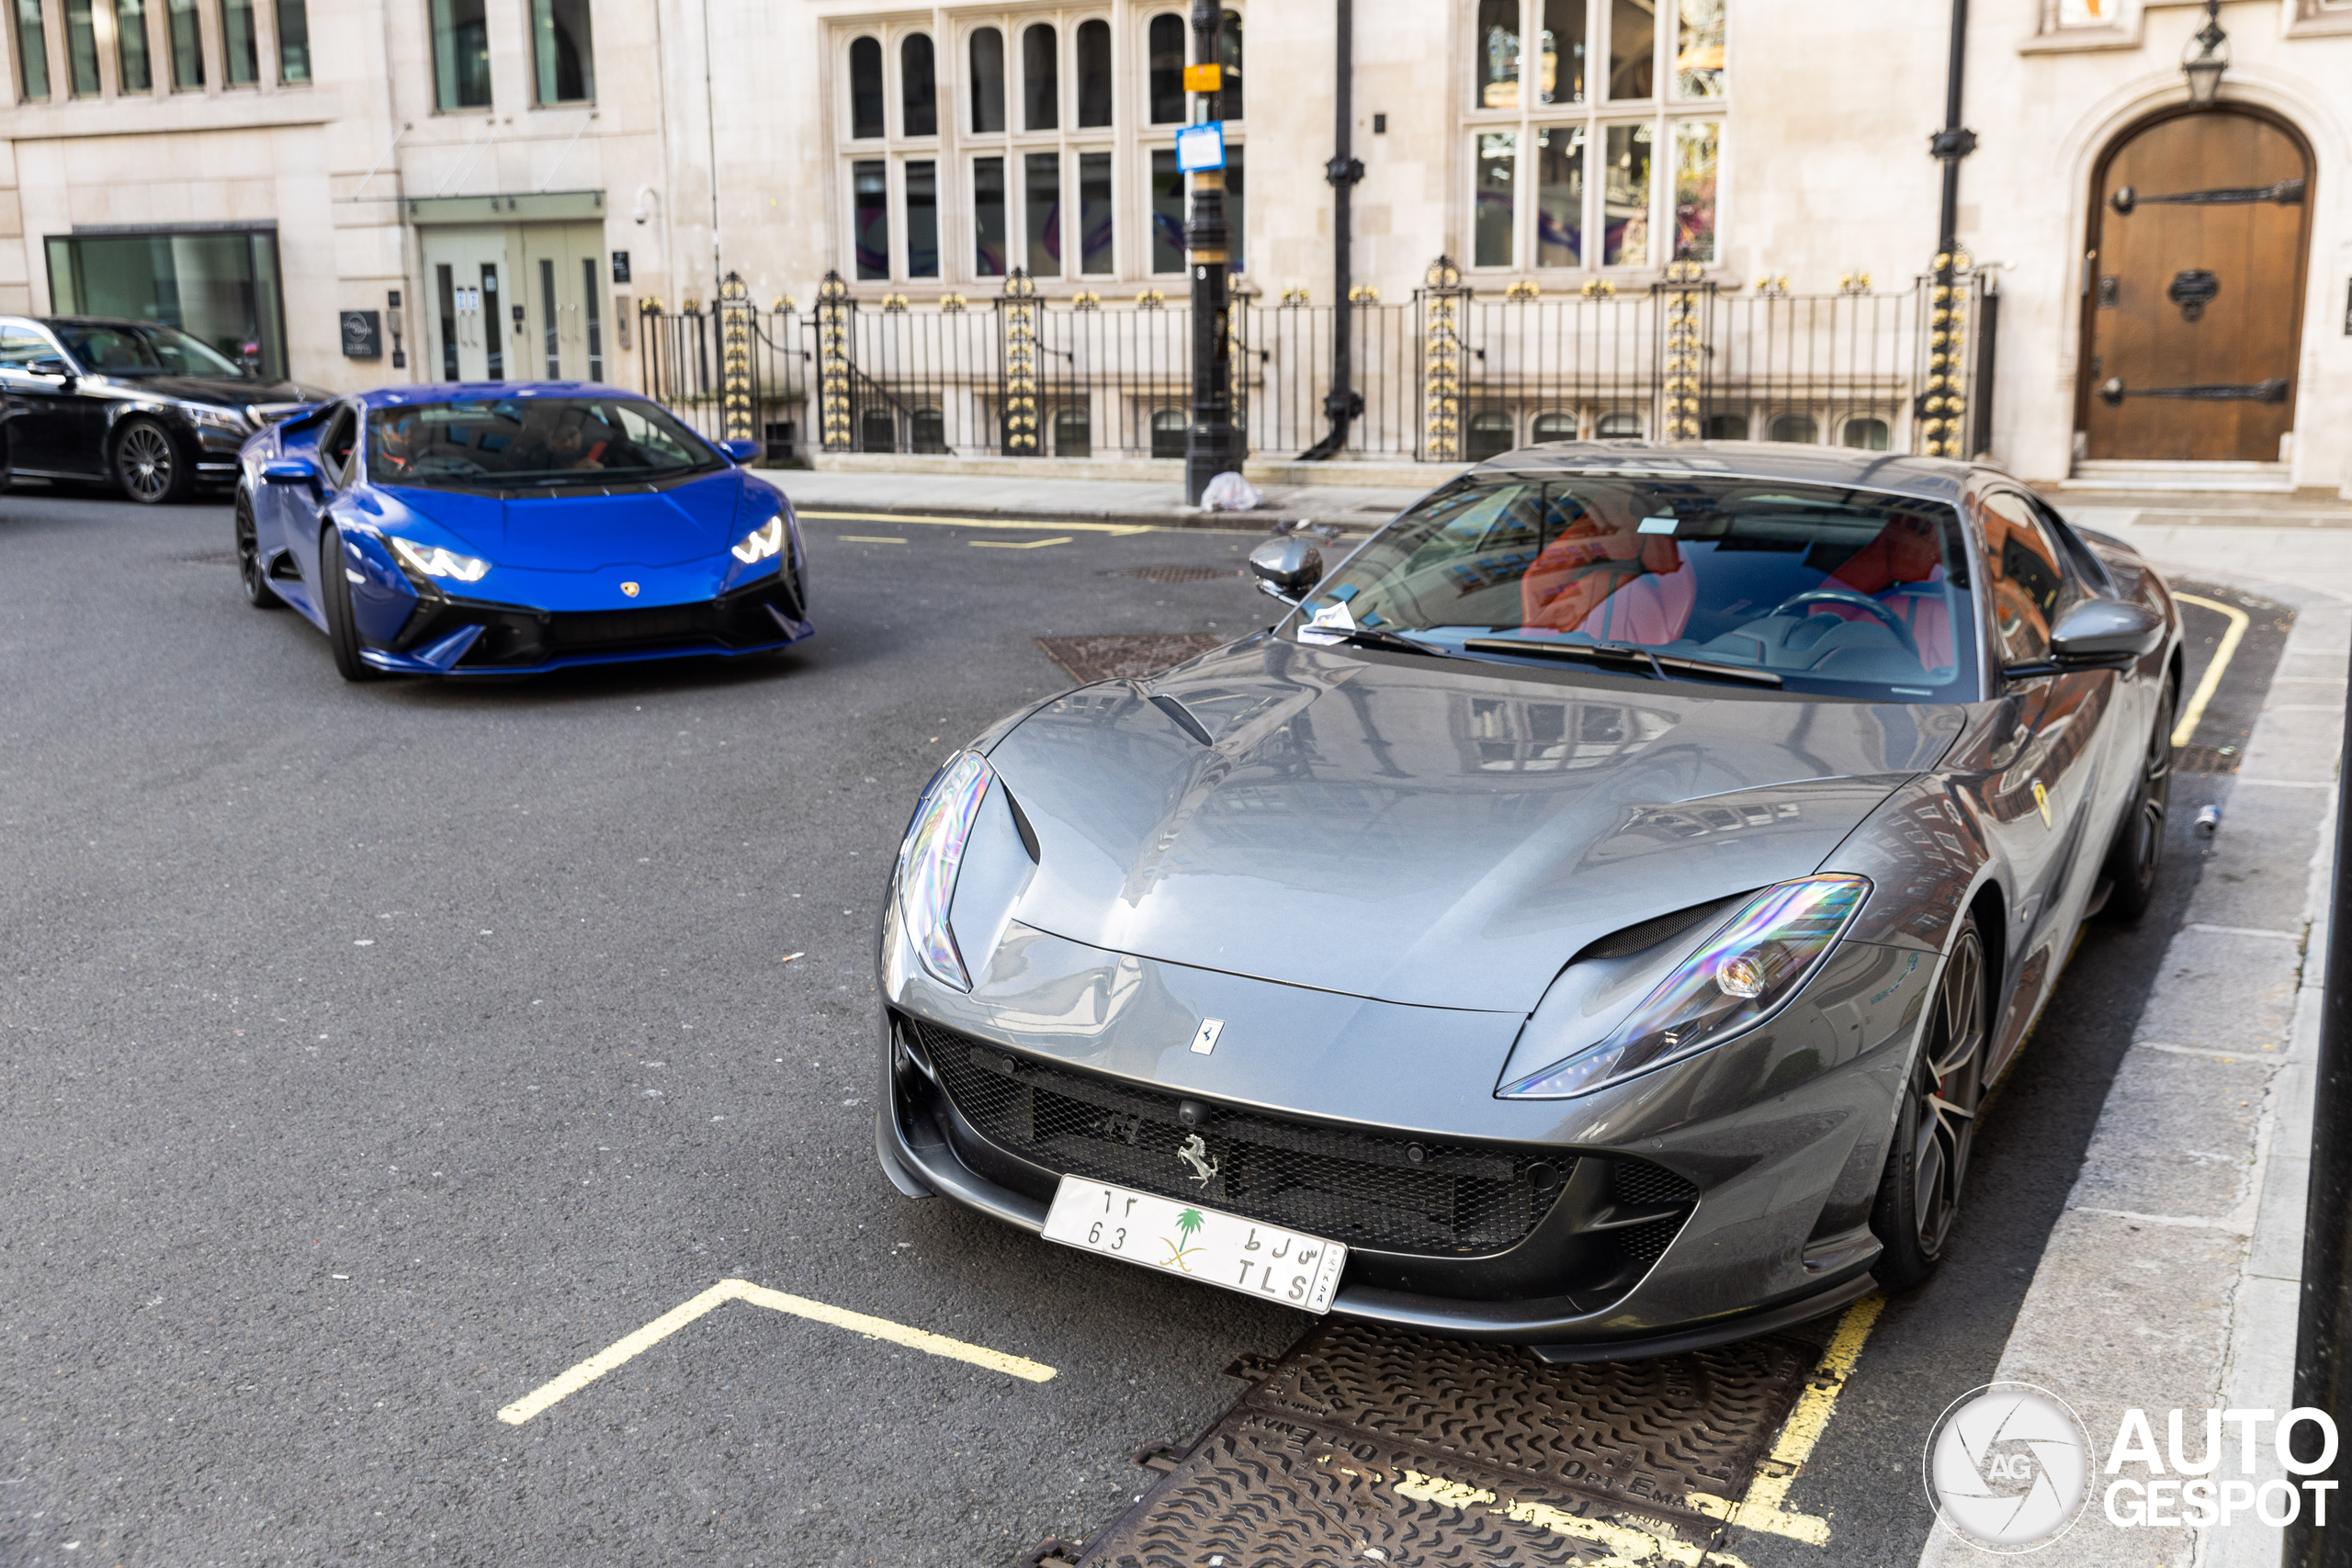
(374, 1053)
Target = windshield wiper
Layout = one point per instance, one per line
(1372, 637)
(1658, 664)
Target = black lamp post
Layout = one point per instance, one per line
(1211, 444)
(2207, 56)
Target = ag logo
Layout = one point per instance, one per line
(2009, 1467)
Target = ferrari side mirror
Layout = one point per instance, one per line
(2099, 634)
(1286, 568)
(740, 451)
(288, 470)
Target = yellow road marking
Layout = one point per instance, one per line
(868, 539)
(1017, 544)
(624, 1350)
(1030, 524)
(2239, 620)
(1626, 1546)
(1764, 1506)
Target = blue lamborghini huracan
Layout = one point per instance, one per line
(505, 527)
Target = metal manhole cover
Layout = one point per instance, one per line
(1178, 573)
(1364, 1444)
(1124, 656)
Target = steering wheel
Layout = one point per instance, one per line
(1859, 602)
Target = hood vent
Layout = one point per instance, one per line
(1648, 934)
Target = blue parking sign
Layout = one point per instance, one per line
(1201, 147)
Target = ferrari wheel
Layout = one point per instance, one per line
(334, 599)
(251, 572)
(147, 464)
(2138, 848)
(1919, 1195)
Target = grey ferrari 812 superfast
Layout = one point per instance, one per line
(1591, 916)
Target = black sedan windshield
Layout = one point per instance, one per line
(522, 442)
(118, 349)
(1813, 587)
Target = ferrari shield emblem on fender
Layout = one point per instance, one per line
(629, 589)
(2042, 803)
(1204, 1041)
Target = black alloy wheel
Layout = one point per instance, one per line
(253, 573)
(334, 599)
(2138, 848)
(1918, 1198)
(148, 467)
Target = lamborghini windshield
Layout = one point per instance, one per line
(517, 443)
(1810, 587)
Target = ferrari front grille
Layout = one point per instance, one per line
(1369, 1190)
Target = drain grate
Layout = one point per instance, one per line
(1364, 1441)
(2205, 760)
(1178, 573)
(1125, 656)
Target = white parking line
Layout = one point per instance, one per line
(625, 1351)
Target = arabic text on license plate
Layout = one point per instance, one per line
(1201, 1244)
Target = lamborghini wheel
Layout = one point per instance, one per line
(252, 572)
(1918, 1197)
(334, 599)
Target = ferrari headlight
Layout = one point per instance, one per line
(928, 861)
(762, 542)
(1743, 975)
(432, 560)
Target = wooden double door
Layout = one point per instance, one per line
(516, 302)
(2194, 285)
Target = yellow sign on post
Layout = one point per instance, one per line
(1203, 78)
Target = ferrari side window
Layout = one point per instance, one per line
(2025, 585)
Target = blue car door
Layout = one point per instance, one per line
(303, 506)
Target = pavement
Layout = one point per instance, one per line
(1010, 487)
(376, 1054)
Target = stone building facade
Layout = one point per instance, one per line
(525, 176)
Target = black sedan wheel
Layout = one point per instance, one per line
(1919, 1195)
(334, 598)
(148, 467)
(253, 573)
(2139, 850)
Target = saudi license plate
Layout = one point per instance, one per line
(1200, 1243)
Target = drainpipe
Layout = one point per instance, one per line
(1343, 403)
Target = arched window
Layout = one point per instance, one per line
(1073, 433)
(1799, 427)
(877, 430)
(1725, 427)
(1489, 436)
(1228, 52)
(1867, 434)
(1553, 428)
(917, 90)
(1619, 426)
(1041, 89)
(930, 430)
(865, 87)
(1093, 74)
(1167, 36)
(1167, 428)
(987, 82)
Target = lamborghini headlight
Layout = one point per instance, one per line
(762, 542)
(432, 560)
(928, 861)
(1743, 975)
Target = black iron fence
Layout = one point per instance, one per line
(1451, 377)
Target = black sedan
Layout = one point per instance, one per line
(142, 405)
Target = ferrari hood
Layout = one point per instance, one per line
(593, 531)
(1426, 831)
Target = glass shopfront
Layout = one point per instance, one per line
(220, 286)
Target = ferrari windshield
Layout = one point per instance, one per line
(523, 442)
(120, 348)
(1815, 587)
